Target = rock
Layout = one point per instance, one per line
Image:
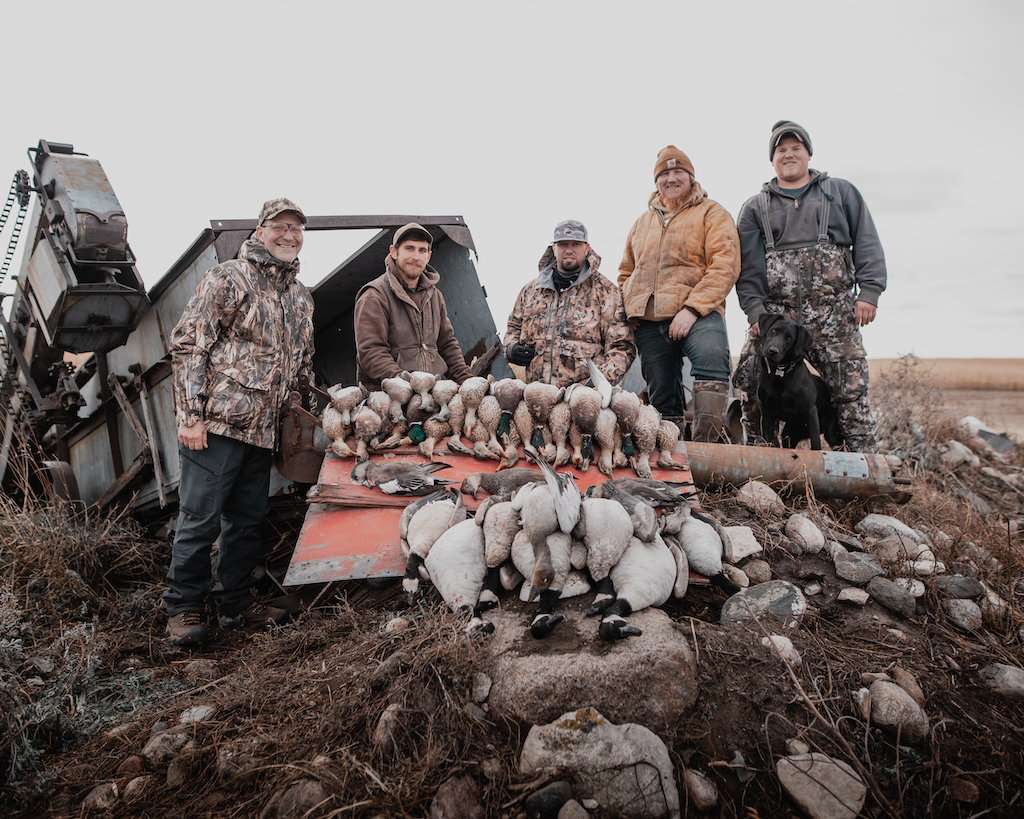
(912, 586)
(869, 677)
(537, 687)
(736, 575)
(1005, 680)
(547, 802)
(573, 810)
(784, 647)
(893, 597)
(782, 600)
(475, 711)
(862, 699)
(235, 765)
(161, 747)
(857, 567)
(965, 613)
(926, 567)
(823, 787)
(744, 544)
(795, 746)
(881, 526)
(492, 768)
(140, 788)
(895, 549)
(396, 625)
(200, 671)
(130, 766)
(957, 455)
(701, 793)
(977, 501)
(992, 604)
(849, 542)
(481, 687)
(956, 585)
(802, 531)
(385, 735)
(197, 713)
(760, 499)
(963, 790)
(908, 682)
(812, 589)
(626, 768)
(457, 797)
(304, 799)
(392, 667)
(895, 709)
(758, 571)
(851, 594)
(101, 798)
(834, 548)
(181, 767)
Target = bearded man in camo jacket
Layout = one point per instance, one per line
(241, 344)
(809, 250)
(570, 313)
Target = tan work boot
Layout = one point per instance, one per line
(710, 400)
(260, 616)
(186, 628)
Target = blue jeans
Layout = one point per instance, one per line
(661, 359)
(223, 497)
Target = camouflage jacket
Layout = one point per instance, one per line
(399, 330)
(245, 336)
(586, 321)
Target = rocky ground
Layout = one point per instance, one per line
(898, 698)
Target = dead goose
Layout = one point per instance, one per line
(705, 542)
(644, 576)
(504, 484)
(457, 567)
(422, 522)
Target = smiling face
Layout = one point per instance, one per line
(282, 243)
(570, 255)
(790, 161)
(674, 184)
(411, 258)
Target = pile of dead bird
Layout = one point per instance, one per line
(551, 423)
(535, 532)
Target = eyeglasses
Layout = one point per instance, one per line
(284, 227)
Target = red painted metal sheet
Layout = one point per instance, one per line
(351, 531)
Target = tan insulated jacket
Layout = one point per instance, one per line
(245, 336)
(689, 258)
(583, 322)
(397, 330)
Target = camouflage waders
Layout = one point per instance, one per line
(814, 286)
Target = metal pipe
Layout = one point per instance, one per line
(843, 475)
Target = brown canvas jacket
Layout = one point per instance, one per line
(692, 261)
(395, 333)
(243, 339)
(585, 321)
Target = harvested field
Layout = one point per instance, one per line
(962, 373)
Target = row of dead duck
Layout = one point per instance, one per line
(554, 424)
(537, 532)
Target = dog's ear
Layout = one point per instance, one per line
(764, 324)
(802, 343)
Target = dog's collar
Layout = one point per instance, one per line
(782, 370)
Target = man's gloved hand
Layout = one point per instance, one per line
(521, 354)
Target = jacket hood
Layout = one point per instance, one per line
(547, 263)
(773, 185)
(697, 195)
(254, 252)
(429, 274)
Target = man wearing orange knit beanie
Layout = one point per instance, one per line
(681, 260)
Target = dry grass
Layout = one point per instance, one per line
(960, 373)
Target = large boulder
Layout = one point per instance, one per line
(778, 599)
(650, 679)
(626, 768)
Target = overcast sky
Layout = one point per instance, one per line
(518, 115)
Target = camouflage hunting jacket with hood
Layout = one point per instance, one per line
(585, 321)
(684, 258)
(244, 338)
(397, 329)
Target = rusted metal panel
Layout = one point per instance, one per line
(351, 531)
(843, 475)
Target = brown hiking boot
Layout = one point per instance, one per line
(186, 629)
(260, 616)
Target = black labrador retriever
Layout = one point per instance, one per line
(787, 391)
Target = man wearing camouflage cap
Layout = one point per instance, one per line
(241, 344)
(681, 260)
(401, 319)
(810, 251)
(568, 315)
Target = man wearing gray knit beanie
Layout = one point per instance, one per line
(809, 251)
